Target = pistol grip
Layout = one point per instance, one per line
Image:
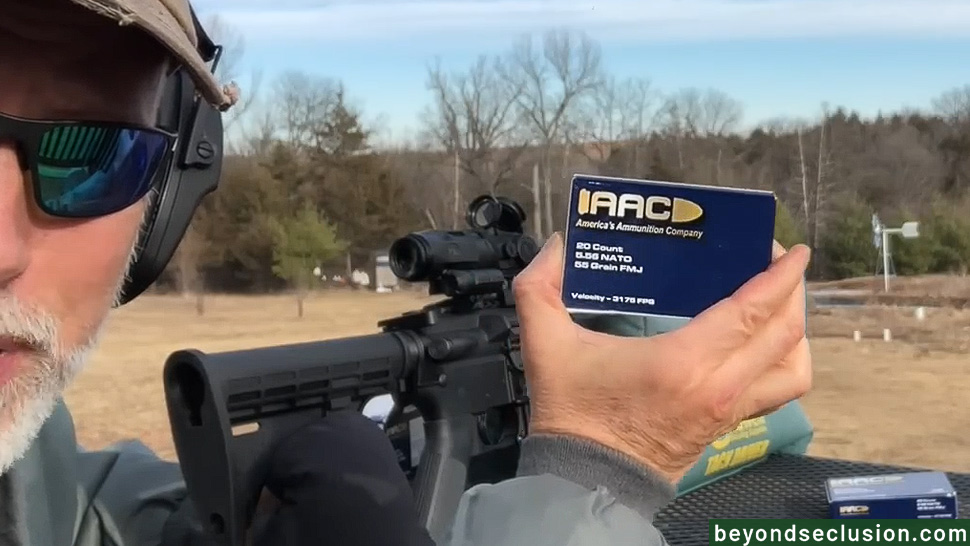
(443, 472)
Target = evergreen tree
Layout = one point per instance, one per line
(301, 244)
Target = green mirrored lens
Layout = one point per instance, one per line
(88, 171)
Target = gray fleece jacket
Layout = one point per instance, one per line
(567, 493)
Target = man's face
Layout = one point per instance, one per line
(59, 277)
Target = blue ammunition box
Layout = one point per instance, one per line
(661, 249)
(909, 495)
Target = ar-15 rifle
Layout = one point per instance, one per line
(456, 361)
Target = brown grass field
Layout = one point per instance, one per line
(900, 402)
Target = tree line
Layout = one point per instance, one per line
(309, 183)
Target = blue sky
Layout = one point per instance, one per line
(780, 58)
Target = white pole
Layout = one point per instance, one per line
(885, 259)
(457, 192)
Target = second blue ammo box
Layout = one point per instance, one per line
(908, 495)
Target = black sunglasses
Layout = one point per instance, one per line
(83, 169)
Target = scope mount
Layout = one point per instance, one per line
(486, 213)
(493, 217)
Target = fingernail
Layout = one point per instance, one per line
(553, 239)
(777, 250)
(808, 253)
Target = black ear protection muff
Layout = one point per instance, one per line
(188, 174)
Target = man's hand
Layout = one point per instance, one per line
(661, 400)
(337, 481)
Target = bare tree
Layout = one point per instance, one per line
(640, 99)
(803, 178)
(617, 114)
(823, 180)
(193, 252)
(954, 105)
(302, 103)
(817, 188)
(233, 50)
(474, 118)
(567, 68)
(691, 115)
(597, 126)
(782, 124)
(195, 248)
(423, 176)
(703, 113)
(900, 167)
(258, 138)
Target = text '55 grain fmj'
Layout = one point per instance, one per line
(652, 248)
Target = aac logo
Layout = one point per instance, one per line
(853, 510)
(866, 480)
(658, 208)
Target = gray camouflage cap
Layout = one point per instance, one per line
(169, 22)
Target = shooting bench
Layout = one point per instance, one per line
(782, 487)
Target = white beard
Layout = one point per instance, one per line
(29, 399)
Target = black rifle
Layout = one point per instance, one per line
(456, 361)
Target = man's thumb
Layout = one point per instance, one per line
(537, 288)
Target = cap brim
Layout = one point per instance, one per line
(158, 21)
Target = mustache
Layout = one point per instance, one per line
(29, 326)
